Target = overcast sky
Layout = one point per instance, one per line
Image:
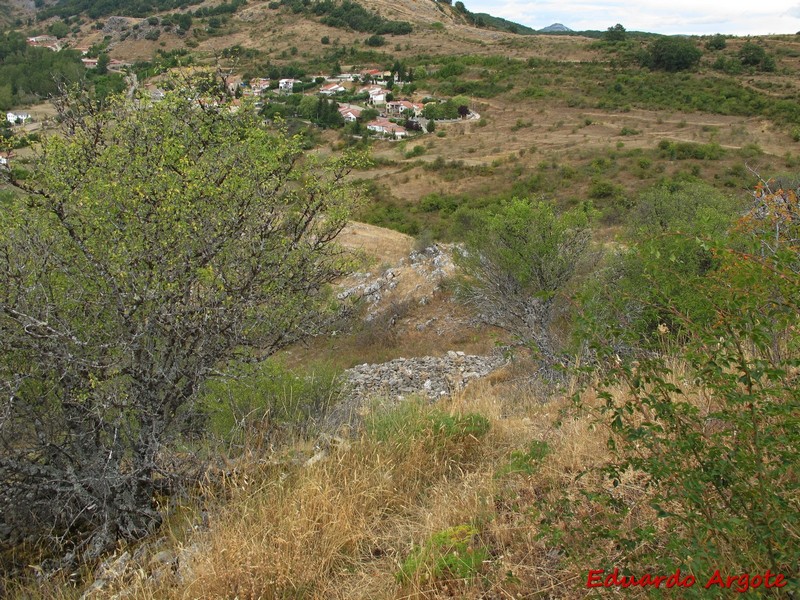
(659, 16)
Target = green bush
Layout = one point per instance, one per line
(707, 424)
(455, 553)
(672, 54)
(418, 150)
(753, 55)
(716, 42)
(690, 150)
(375, 41)
(525, 462)
(269, 394)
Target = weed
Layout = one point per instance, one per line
(454, 553)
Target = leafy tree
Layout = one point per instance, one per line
(308, 106)
(34, 72)
(154, 243)
(672, 54)
(516, 262)
(650, 282)
(58, 29)
(753, 55)
(716, 42)
(616, 33)
(6, 97)
(375, 41)
(102, 63)
(369, 114)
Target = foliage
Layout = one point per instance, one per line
(617, 33)
(375, 41)
(266, 396)
(28, 73)
(320, 111)
(450, 554)
(526, 462)
(753, 55)
(687, 150)
(59, 29)
(349, 15)
(672, 54)
(100, 8)
(455, 438)
(517, 260)
(225, 8)
(500, 24)
(718, 455)
(155, 243)
(653, 278)
(716, 42)
(454, 108)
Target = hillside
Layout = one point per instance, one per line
(557, 334)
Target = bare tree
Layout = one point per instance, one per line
(153, 243)
(515, 263)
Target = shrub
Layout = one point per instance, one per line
(753, 55)
(160, 272)
(672, 54)
(455, 553)
(706, 424)
(517, 260)
(375, 41)
(716, 42)
(616, 33)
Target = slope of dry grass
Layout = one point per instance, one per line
(342, 525)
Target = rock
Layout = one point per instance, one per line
(429, 377)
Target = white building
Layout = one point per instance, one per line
(15, 118)
(287, 85)
(386, 127)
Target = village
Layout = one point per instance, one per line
(370, 101)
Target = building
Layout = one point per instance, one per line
(404, 107)
(386, 127)
(17, 118)
(350, 114)
(331, 88)
(287, 85)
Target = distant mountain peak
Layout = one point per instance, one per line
(555, 27)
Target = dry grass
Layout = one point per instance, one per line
(342, 524)
(342, 527)
(381, 245)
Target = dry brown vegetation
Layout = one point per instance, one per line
(339, 523)
(278, 526)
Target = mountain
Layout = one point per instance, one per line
(555, 28)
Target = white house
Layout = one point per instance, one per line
(349, 113)
(331, 88)
(287, 85)
(399, 107)
(386, 127)
(260, 84)
(377, 95)
(15, 118)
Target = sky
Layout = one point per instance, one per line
(696, 17)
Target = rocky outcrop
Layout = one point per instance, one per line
(430, 377)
